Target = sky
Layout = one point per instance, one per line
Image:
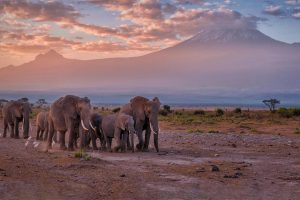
(94, 29)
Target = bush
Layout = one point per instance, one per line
(199, 112)
(237, 110)
(167, 108)
(296, 111)
(115, 110)
(283, 112)
(219, 112)
(163, 112)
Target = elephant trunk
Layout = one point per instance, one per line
(155, 130)
(26, 125)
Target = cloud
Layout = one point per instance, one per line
(146, 25)
(104, 46)
(114, 4)
(292, 2)
(296, 13)
(274, 10)
(189, 2)
(40, 11)
(28, 43)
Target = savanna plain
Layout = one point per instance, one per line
(219, 154)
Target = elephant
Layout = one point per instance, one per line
(118, 126)
(15, 112)
(145, 114)
(42, 125)
(67, 114)
(95, 131)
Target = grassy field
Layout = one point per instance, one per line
(236, 121)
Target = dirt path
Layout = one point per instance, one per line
(252, 166)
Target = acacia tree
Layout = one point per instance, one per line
(41, 102)
(271, 103)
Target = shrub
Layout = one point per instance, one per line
(297, 131)
(237, 110)
(219, 112)
(167, 108)
(296, 111)
(199, 112)
(115, 110)
(163, 112)
(283, 112)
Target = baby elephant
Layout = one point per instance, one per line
(42, 125)
(95, 131)
(118, 126)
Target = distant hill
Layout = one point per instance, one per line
(213, 60)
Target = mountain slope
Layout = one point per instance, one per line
(218, 60)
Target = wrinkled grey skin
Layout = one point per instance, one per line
(145, 114)
(69, 113)
(15, 112)
(42, 125)
(118, 126)
(95, 131)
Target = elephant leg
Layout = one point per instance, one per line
(46, 135)
(12, 129)
(109, 144)
(38, 130)
(129, 145)
(102, 140)
(17, 129)
(62, 136)
(54, 137)
(41, 135)
(147, 138)
(5, 128)
(132, 141)
(51, 133)
(139, 129)
(124, 141)
(117, 136)
(94, 138)
(75, 143)
(72, 136)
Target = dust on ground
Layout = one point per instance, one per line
(189, 166)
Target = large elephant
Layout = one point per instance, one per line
(67, 114)
(118, 126)
(96, 131)
(15, 112)
(145, 114)
(42, 125)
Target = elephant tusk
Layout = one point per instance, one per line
(152, 129)
(83, 126)
(94, 128)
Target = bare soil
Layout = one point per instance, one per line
(226, 165)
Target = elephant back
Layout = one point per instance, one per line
(108, 125)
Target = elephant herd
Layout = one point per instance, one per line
(73, 115)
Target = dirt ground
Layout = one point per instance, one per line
(230, 165)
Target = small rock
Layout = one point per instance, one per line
(237, 168)
(215, 168)
(217, 155)
(230, 176)
(233, 145)
(122, 175)
(238, 174)
(200, 170)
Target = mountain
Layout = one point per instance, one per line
(236, 60)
